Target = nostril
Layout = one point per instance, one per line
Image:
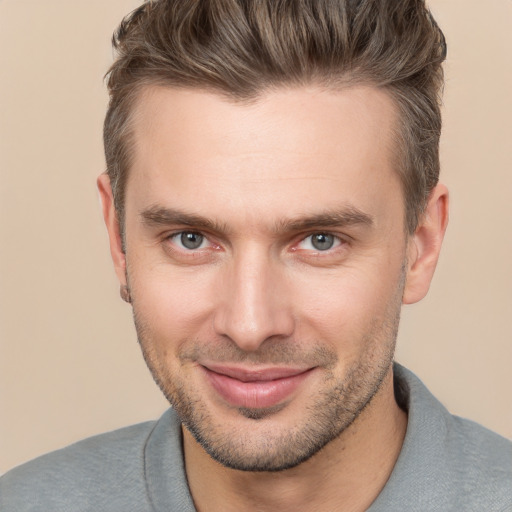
(249, 329)
(251, 305)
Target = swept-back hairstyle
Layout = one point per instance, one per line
(242, 48)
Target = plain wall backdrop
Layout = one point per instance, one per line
(70, 366)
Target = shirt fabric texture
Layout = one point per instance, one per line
(446, 464)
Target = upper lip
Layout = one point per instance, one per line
(254, 374)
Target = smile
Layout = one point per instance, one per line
(254, 389)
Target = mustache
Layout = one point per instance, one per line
(272, 352)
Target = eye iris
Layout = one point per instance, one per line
(322, 242)
(191, 240)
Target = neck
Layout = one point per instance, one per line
(347, 474)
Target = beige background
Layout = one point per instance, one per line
(69, 362)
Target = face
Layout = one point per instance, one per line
(266, 260)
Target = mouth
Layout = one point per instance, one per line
(254, 388)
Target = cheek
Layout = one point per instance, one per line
(341, 307)
(173, 304)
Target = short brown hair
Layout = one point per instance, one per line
(242, 48)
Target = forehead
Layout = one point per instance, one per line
(294, 148)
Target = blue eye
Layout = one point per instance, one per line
(189, 240)
(320, 242)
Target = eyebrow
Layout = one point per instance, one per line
(158, 216)
(348, 216)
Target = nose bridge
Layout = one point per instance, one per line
(253, 306)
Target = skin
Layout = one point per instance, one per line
(253, 184)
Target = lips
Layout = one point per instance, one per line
(254, 388)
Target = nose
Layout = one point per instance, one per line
(253, 304)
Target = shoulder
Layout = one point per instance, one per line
(83, 476)
(446, 463)
(481, 461)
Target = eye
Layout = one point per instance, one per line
(190, 240)
(320, 242)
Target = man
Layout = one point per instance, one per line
(272, 199)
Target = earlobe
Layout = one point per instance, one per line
(425, 246)
(113, 227)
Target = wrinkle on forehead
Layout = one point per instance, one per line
(160, 216)
(277, 121)
(291, 153)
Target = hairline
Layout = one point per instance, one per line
(398, 149)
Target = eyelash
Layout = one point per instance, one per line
(337, 242)
(181, 233)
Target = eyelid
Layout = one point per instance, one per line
(176, 237)
(171, 237)
(339, 240)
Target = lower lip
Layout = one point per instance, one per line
(257, 394)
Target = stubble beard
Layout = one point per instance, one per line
(333, 411)
(261, 446)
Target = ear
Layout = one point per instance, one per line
(425, 245)
(113, 228)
